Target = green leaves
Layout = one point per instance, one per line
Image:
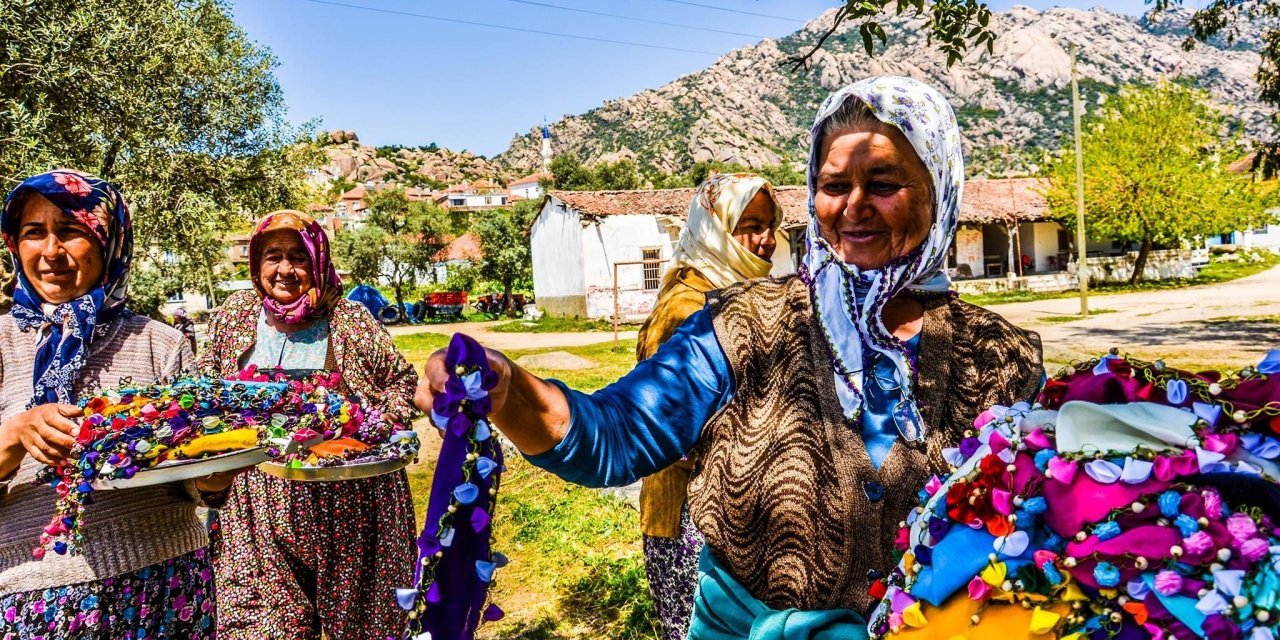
(952, 25)
(1155, 171)
(168, 98)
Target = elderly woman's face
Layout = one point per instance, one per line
(60, 256)
(285, 271)
(872, 197)
(755, 227)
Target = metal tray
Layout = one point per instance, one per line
(181, 470)
(334, 474)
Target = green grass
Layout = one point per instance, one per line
(577, 568)
(1073, 317)
(549, 324)
(1217, 271)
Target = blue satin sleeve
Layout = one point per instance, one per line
(650, 418)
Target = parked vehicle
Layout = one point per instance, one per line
(444, 304)
(496, 303)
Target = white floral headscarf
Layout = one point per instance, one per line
(927, 120)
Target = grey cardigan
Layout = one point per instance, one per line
(123, 530)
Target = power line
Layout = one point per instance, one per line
(622, 17)
(745, 13)
(506, 28)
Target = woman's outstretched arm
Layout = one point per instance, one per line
(640, 424)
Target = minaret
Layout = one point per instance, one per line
(546, 149)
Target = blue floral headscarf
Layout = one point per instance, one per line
(61, 352)
(849, 301)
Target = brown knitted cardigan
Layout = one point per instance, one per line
(784, 490)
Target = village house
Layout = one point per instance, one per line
(579, 237)
(481, 195)
(528, 187)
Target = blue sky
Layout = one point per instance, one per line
(399, 79)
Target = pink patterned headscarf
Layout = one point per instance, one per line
(326, 289)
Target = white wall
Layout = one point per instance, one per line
(556, 244)
(621, 239)
(1040, 241)
(528, 191)
(969, 249)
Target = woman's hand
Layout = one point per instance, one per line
(532, 412)
(437, 373)
(46, 433)
(218, 482)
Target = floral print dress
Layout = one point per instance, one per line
(293, 559)
(172, 599)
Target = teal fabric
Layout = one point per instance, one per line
(304, 349)
(723, 610)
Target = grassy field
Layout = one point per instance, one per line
(1215, 272)
(577, 570)
(548, 324)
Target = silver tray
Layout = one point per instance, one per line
(334, 474)
(182, 470)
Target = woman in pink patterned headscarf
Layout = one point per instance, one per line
(294, 560)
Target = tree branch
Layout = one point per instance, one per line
(802, 61)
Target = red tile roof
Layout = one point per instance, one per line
(985, 202)
(464, 247)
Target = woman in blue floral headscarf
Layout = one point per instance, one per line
(812, 406)
(141, 571)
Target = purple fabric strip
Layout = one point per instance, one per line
(455, 562)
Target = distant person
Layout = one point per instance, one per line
(302, 560)
(730, 237)
(182, 322)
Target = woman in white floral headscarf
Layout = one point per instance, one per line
(812, 406)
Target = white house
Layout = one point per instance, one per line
(528, 187)
(580, 237)
(478, 196)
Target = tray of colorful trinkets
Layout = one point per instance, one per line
(345, 459)
(140, 435)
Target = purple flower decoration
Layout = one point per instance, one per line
(454, 544)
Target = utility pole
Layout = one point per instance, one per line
(1082, 271)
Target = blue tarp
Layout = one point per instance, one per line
(371, 298)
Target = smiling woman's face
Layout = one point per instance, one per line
(285, 270)
(61, 257)
(872, 196)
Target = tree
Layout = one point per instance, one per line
(169, 99)
(400, 240)
(1154, 173)
(1222, 18)
(504, 242)
(617, 176)
(953, 25)
(568, 173)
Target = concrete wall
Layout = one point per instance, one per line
(528, 191)
(556, 244)
(613, 239)
(969, 250)
(1161, 265)
(1040, 242)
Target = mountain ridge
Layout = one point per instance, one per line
(748, 108)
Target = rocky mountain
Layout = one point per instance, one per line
(1013, 104)
(350, 160)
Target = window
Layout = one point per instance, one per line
(652, 270)
(177, 297)
(457, 202)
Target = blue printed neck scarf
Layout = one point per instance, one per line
(69, 328)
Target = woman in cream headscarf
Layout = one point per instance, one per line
(730, 237)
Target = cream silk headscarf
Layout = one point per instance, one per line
(707, 243)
